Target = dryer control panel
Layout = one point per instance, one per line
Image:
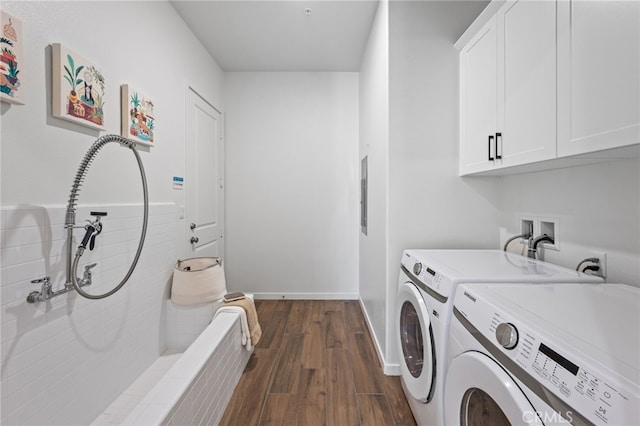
(583, 389)
(428, 276)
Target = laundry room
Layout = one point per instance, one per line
(297, 97)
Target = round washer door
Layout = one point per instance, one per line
(478, 391)
(415, 342)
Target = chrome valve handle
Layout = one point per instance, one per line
(45, 292)
(86, 276)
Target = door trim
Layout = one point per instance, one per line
(185, 230)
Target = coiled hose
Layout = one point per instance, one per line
(73, 199)
(525, 236)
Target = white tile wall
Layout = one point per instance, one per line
(185, 323)
(118, 411)
(65, 360)
(205, 401)
(197, 388)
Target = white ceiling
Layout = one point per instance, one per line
(268, 35)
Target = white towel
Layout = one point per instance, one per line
(246, 335)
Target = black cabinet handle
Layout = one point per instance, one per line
(498, 156)
(489, 144)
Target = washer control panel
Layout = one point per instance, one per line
(427, 275)
(586, 391)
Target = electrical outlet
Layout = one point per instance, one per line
(602, 256)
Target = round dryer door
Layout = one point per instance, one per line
(415, 342)
(479, 391)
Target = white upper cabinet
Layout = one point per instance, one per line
(507, 89)
(527, 79)
(550, 83)
(479, 88)
(598, 75)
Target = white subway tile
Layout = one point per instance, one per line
(79, 338)
(22, 217)
(23, 272)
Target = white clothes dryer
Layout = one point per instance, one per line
(544, 354)
(424, 302)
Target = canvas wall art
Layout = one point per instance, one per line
(138, 117)
(78, 88)
(11, 84)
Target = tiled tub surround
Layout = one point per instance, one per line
(197, 388)
(66, 360)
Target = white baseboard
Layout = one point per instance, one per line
(392, 369)
(306, 296)
(387, 368)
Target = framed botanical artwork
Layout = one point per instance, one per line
(11, 60)
(78, 88)
(138, 118)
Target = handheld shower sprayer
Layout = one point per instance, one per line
(95, 227)
(92, 229)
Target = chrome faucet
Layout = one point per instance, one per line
(46, 292)
(92, 229)
(534, 242)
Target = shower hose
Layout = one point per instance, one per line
(73, 198)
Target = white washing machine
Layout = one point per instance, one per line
(544, 354)
(424, 302)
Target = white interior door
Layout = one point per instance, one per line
(204, 185)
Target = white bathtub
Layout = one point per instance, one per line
(190, 387)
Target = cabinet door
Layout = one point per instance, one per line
(527, 82)
(478, 100)
(598, 75)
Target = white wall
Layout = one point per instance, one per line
(374, 143)
(40, 154)
(65, 359)
(292, 184)
(598, 207)
(430, 206)
(409, 128)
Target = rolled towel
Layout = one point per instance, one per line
(251, 330)
(255, 331)
(245, 335)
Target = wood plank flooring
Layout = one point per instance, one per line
(315, 365)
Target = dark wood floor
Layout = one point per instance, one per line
(315, 365)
